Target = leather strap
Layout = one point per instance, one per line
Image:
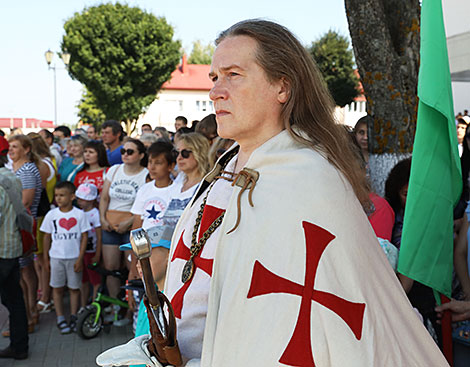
(166, 350)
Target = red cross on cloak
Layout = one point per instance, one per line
(209, 215)
(299, 350)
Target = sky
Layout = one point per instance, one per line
(28, 28)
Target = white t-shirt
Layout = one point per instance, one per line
(178, 202)
(150, 203)
(66, 232)
(93, 217)
(190, 301)
(123, 188)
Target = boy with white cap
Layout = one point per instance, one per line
(86, 198)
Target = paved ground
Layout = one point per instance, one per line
(49, 348)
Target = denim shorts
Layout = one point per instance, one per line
(114, 238)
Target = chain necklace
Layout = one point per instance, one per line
(196, 246)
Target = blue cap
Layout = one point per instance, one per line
(161, 243)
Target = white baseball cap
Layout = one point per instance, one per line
(86, 191)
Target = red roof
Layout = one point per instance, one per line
(189, 77)
(11, 122)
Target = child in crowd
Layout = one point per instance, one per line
(65, 242)
(86, 198)
(151, 202)
(95, 165)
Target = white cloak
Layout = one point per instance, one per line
(258, 297)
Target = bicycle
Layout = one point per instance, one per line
(90, 319)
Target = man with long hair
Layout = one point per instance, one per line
(274, 262)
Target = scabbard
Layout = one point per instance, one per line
(166, 350)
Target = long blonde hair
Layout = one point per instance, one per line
(308, 114)
(199, 145)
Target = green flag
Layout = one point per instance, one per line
(426, 252)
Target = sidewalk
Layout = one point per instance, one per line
(47, 347)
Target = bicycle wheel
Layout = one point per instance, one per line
(86, 326)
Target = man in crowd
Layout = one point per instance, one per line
(276, 263)
(91, 133)
(180, 122)
(146, 129)
(112, 135)
(10, 250)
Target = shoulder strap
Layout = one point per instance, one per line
(219, 166)
(75, 170)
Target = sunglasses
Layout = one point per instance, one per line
(184, 153)
(127, 151)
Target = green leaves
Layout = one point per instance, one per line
(122, 55)
(335, 60)
(201, 54)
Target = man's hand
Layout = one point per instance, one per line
(460, 310)
(134, 352)
(77, 267)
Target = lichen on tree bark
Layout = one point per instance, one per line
(385, 38)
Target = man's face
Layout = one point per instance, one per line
(179, 124)
(247, 105)
(91, 133)
(146, 130)
(59, 134)
(108, 136)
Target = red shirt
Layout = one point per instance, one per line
(95, 178)
(383, 218)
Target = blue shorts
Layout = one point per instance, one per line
(114, 238)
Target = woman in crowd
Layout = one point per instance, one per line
(95, 165)
(148, 139)
(162, 133)
(48, 171)
(25, 163)
(119, 191)
(71, 165)
(360, 133)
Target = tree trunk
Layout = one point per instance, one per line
(385, 38)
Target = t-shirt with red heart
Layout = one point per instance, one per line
(66, 232)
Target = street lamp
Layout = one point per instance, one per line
(66, 59)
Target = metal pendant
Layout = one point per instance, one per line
(188, 271)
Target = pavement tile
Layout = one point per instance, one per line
(48, 348)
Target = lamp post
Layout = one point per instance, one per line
(66, 59)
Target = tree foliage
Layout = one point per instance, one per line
(335, 60)
(88, 111)
(201, 54)
(122, 55)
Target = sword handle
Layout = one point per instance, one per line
(149, 283)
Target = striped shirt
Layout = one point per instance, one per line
(10, 240)
(30, 178)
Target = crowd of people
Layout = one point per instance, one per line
(86, 192)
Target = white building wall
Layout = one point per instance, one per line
(194, 105)
(349, 114)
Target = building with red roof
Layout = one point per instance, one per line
(186, 94)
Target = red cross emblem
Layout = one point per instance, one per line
(209, 215)
(299, 351)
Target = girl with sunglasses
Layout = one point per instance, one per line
(119, 191)
(95, 165)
